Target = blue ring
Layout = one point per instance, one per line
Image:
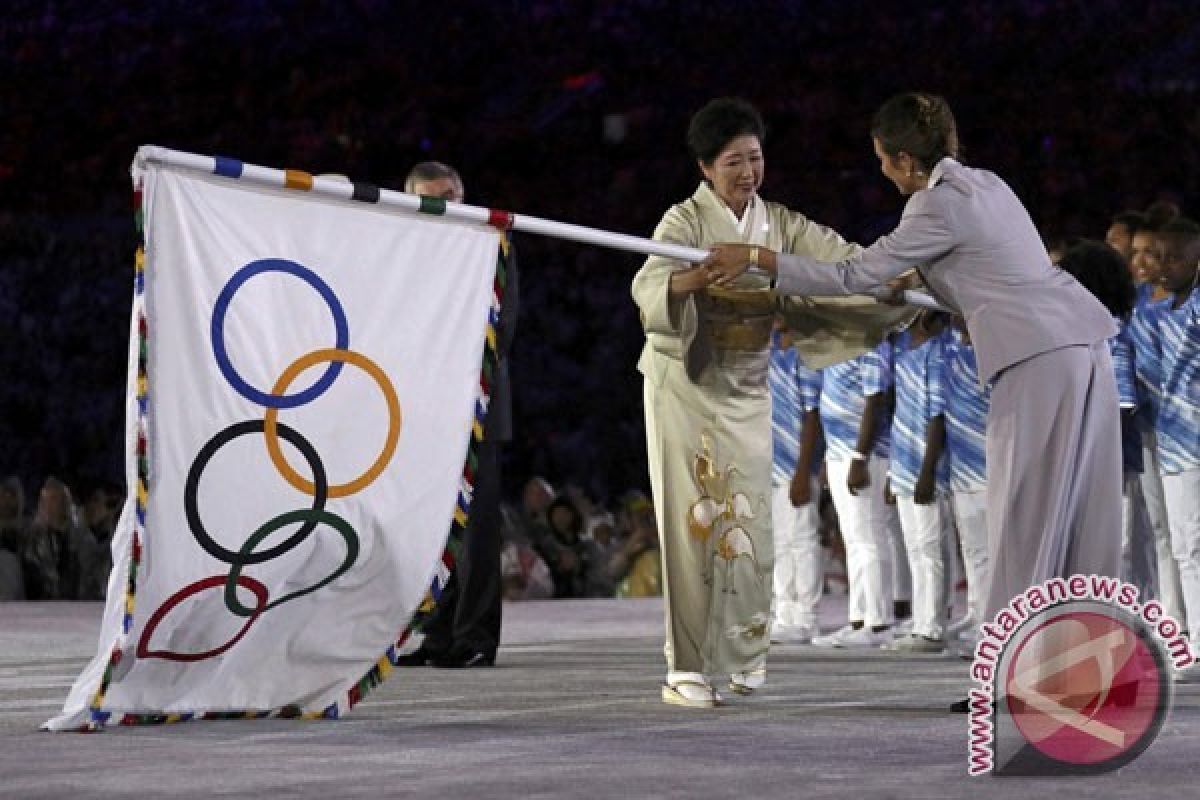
(218, 333)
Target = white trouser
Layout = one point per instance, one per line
(970, 517)
(927, 545)
(1167, 590)
(799, 561)
(1138, 558)
(863, 520)
(902, 577)
(1182, 493)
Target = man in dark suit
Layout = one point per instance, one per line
(464, 628)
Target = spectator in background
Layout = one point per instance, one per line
(600, 545)
(12, 533)
(58, 553)
(559, 543)
(638, 565)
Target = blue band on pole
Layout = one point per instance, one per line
(229, 167)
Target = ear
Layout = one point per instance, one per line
(706, 169)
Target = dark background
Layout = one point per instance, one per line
(1086, 108)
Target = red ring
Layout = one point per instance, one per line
(246, 582)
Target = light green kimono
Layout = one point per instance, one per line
(708, 426)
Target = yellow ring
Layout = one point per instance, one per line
(394, 421)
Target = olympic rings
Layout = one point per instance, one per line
(316, 515)
(394, 421)
(245, 581)
(191, 489)
(218, 332)
(318, 488)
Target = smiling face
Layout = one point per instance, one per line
(737, 171)
(1145, 257)
(901, 169)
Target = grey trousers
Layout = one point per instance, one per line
(1053, 471)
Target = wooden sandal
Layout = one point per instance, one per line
(692, 694)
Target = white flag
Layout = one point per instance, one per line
(304, 382)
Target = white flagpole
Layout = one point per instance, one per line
(411, 203)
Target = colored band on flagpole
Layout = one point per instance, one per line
(500, 220)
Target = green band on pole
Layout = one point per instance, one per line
(432, 205)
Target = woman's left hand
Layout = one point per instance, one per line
(728, 261)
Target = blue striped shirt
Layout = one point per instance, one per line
(967, 406)
(795, 389)
(1147, 355)
(1121, 349)
(1178, 424)
(844, 391)
(920, 397)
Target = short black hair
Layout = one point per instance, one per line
(1102, 272)
(1181, 226)
(1133, 220)
(721, 121)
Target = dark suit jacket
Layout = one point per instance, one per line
(499, 426)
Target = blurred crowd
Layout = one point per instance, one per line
(568, 110)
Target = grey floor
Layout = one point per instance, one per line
(571, 710)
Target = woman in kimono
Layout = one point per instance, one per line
(1053, 431)
(707, 405)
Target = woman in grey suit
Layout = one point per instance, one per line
(1053, 435)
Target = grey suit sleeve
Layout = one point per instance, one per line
(923, 235)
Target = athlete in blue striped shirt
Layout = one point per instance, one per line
(966, 435)
(1152, 301)
(1179, 415)
(795, 518)
(856, 422)
(1103, 272)
(918, 476)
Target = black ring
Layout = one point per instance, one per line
(320, 482)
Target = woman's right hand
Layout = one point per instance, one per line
(687, 281)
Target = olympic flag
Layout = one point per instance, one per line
(305, 387)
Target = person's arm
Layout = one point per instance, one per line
(859, 477)
(800, 492)
(923, 235)
(935, 443)
(663, 286)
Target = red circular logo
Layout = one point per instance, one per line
(1086, 688)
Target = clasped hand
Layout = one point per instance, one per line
(727, 261)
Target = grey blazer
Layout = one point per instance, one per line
(981, 256)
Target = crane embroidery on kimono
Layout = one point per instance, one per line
(719, 513)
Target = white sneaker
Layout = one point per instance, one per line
(832, 639)
(793, 634)
(961, 628)
(915, 643)
(864, 639)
